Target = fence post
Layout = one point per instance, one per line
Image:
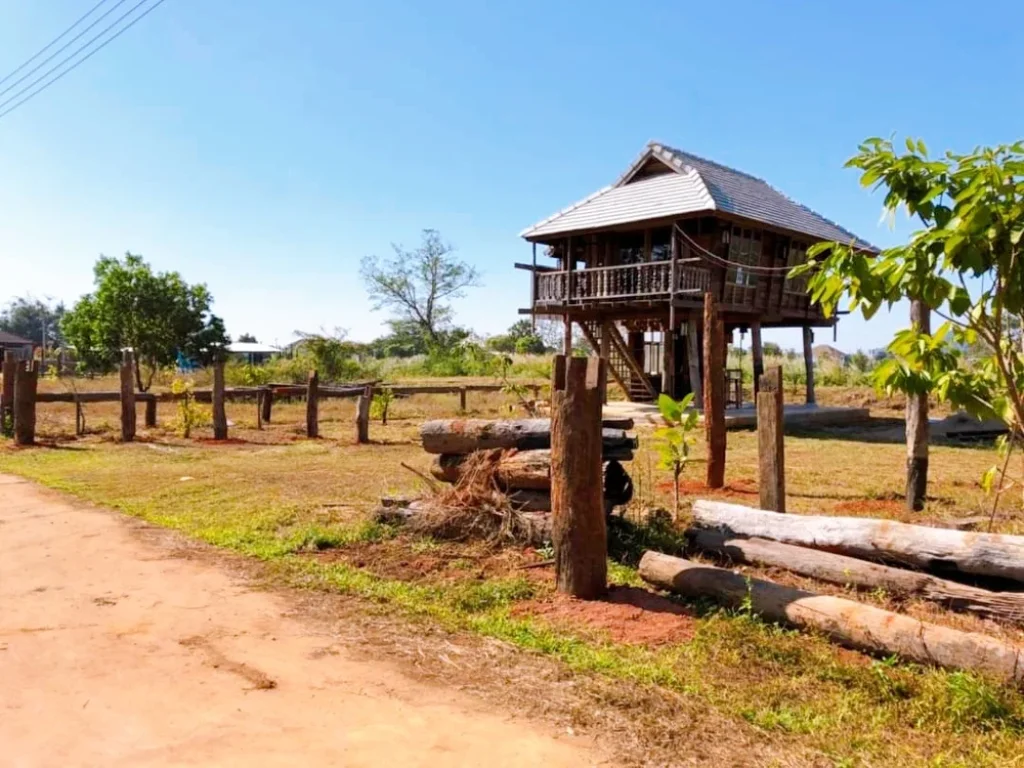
(259, 409)
(462, 399)
(313, 405)
(268, 403)
(79, 418)
(151, 412)
(363, 415)
(220, 416)
(770, 441)
(127, 397)
(26, 382)
(578, 527)
(714, 392)
(9, 371)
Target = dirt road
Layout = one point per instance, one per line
(116, 652)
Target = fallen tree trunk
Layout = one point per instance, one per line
(849, 571)
(419, 513)
(531, 470)
(467, 435)
(939, 550)
(850, 623)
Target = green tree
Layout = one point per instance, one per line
(520, 337)
(966, 264)
(157, 315)
(34, 320)
(332, 355)
(247, 338)
(771, 349)
(419, 285)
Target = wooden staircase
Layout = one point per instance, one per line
(621, 363)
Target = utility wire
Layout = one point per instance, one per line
(81, 61)
(50, 44)
(59, 51)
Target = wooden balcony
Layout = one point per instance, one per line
(652, 280)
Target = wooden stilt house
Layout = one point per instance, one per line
(633, 261)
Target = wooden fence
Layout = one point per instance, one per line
(263, 397)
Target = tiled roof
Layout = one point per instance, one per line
(697, 185)
(12, 340)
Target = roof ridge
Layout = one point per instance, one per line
(715, 163)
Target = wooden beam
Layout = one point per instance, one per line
(770, 441)
(714, 392)
(809, 363)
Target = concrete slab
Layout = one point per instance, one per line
(746, 417)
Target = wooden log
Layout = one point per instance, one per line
(578, 529)
(267, 404)
(532, 470)
(939, 550)
(150, 411)
(850, 571)
(26, 383)
(809, 363)
(313, 405)
(127, 397)
(917, 425)
(847, 622)
(363, 415)
(220, 417)
(468, 435)
(8, 372)
(771, 442)
(714, 393)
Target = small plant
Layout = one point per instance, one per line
(382, 400)
(674, 439)
(509, 387)
(189, 413)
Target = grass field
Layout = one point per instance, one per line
(303, 508)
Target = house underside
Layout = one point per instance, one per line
(632, 263)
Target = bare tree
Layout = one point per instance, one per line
(417, 285)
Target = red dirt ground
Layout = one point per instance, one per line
(627, 615)
(890, 506)
(737, 489)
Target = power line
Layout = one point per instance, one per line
(53, 42)
(59, 51)
(81, 61)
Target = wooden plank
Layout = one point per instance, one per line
(220, 417)
(853, 572)
(578, 525)
(917, 425)
(771, 442)
(714, 393)
(127, 397)
(942, 551)
(848, 622)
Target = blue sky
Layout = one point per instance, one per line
(264, 147)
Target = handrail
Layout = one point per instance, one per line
(624, 281)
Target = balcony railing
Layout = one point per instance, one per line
(632, 281)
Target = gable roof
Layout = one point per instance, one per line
(693, 184)
(10, 339)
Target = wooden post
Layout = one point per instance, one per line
(809, 363)
(220, 417)
(693, 359)
(79, 419)
(606, 348)
(770, 441)
(462, 399)
(267, 404)
(567, 336)
(259, 408)
(127, 397)
(578, 528)
(917, 424)
(363, 415)
(668, 360)
(714, 392)
(151, 412)
(313, 405)
(757, 355)
(26, 382)
(9, 371)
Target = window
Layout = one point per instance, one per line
(796, 254)
(744, 250)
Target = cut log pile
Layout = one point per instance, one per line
(906, 561)
(523, 470)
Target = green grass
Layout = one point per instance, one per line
(269, 504)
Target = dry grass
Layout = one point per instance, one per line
(739, 692)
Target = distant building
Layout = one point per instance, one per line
(252, 352)
(15, 347)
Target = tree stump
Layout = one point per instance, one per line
(26, 382)
(220, 416)
(714, 392)
(127, 397)
(770, 441)
(363, 416)
(313, 405)
(579, 531)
